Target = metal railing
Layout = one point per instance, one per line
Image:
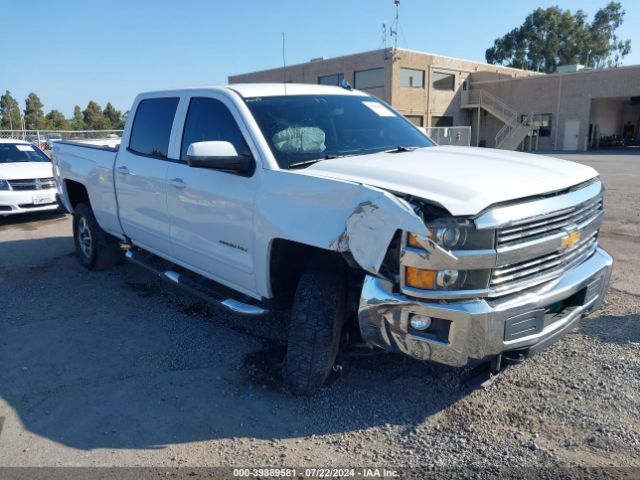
(502, 134)
(509, 137)
(496, 106)
(45, 138)
(460, 136)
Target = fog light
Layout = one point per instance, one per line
(420, 322)
(446, 278)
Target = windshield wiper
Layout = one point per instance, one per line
(305, 163)
(400, 149)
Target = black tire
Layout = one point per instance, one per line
(95, 248)
(317, 317)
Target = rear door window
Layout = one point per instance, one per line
(152, 127)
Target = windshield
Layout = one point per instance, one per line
(20, 152)
(304, 128)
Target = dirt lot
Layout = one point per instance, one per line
(115, 368)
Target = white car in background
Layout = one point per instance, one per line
(26, 179)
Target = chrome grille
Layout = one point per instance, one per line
(532, 272)
(549, 224)
(33, 184)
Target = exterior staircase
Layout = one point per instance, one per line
(514, 130)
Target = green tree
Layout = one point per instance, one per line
(114, 117)
(552, 37)
(9, 113)
(94, 118)
(56, 120)
(77, 122)
(606, 49)
(34, 118)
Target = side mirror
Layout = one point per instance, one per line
(219, 156)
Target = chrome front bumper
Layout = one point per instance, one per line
(478, 329)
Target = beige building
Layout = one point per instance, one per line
(505, 107)
(574, 111)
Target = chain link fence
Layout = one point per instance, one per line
(460, 136)
(45, 138)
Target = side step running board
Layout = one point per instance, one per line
(208, 293)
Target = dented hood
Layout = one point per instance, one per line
(463, 180)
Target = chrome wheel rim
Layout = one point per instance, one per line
(84, 237)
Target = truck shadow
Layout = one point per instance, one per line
(118, 360)
(613, 328)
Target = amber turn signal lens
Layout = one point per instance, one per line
(418, 278)
(412, 241)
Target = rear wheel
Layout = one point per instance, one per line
(95, 248)
(317, 318)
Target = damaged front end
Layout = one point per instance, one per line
(459, 291)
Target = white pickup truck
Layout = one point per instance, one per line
(326, 199)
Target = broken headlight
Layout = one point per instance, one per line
(452, 234)
(442, 271)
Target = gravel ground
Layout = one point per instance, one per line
(115, 368)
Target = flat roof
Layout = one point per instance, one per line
(385, 50)
(492, 65)
(586, 71)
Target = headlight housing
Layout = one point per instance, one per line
(4, 185)
(453, 235)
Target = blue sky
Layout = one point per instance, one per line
(76, 51)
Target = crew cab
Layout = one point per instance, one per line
(26, 179)
(326, 199)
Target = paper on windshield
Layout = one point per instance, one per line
(380, 109)
(25, 148)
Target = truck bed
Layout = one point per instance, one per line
(102, 143)
(89, 163)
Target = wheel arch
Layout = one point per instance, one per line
(289, 259)
(76, 193)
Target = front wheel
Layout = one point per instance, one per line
(95, 248)
(317, 318)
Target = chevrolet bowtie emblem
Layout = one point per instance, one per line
(572, 238)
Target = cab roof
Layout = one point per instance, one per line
(250, 90)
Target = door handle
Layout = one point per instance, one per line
(177, 182)
(123, 170)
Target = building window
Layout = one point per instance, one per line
(334, 79)
(417, 120)
(373, 78)
(442, 121)
(443, 81)
(411, 78)
(542, 121)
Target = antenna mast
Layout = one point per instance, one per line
(393, 31)
(384, 36)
